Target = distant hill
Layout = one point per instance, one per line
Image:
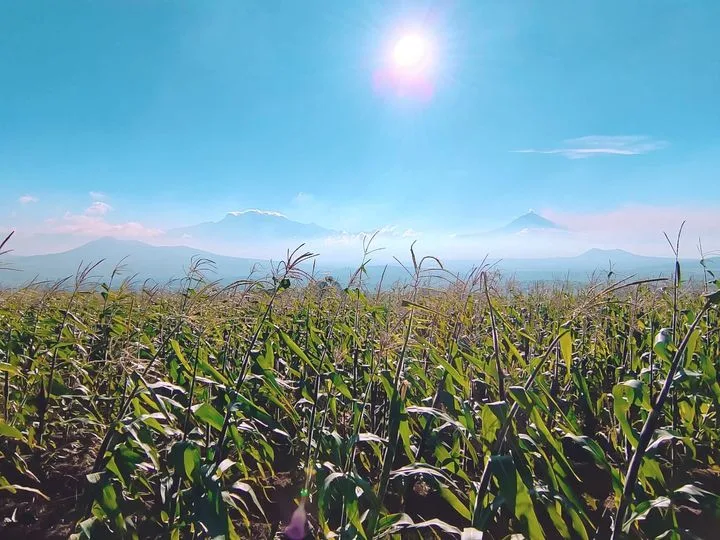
(159, 263)
(251, 225)
(619, 256)
(594, 261)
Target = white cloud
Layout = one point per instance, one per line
(27, 199)
(602, 145)
(92, 222)
(97, 196)
(256, 211)
(387, 232)
(98, 208)
(96, 226)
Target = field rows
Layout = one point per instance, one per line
(299, 407)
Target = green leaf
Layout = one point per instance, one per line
(210, 370)
(180, 356)
(460, 379)
(661, 343)
(297, 351)
(58, 387)
(515, 495)
(566, 351)
(246, 488)
(643, 509)
(625, 395)
(709, 375)
(9, 368)
(10, 431)
(584, 391)
(513, 350)
(692, 344)
(267, 360)
(520, 395)
(185, 458)
(191, 460)
(397, 521)
(109, 501)
(455, 502)
(340, 385)
(437, 413)
(492, 415)
(252, 410)
(209, 414)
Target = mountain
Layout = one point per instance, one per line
(251, 225)
(529, 222)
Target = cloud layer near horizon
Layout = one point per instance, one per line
(635, 228)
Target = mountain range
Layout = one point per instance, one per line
(164, 263)
(262, 232)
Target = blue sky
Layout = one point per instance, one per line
(178, 112)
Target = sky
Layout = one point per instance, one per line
(130, 118)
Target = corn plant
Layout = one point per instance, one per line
(295, 406)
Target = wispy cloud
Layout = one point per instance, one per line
(97, 196)
(393, 231)
(386, 232)
(602, 145)
(98, 208)
(27, 199)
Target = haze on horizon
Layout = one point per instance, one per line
(434, 122)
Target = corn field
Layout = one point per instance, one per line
(296, 408)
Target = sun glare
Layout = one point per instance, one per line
(407, 68)
(410, 52)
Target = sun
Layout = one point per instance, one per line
(408, 67)
(411, 52)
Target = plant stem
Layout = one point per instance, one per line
(649, 429)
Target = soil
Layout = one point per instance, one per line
(61, 474)
(25, 516)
